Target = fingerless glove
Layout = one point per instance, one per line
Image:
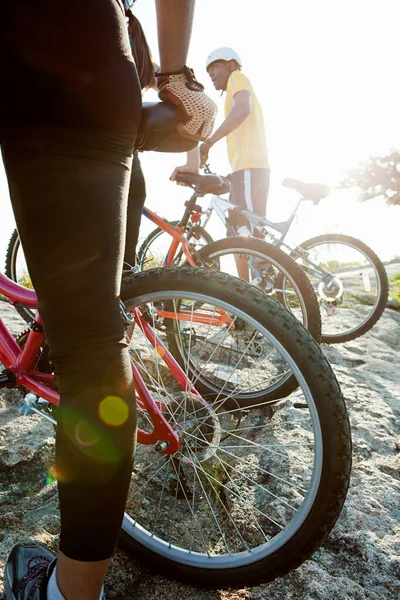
(198, 111)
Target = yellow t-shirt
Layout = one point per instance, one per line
(247, 145)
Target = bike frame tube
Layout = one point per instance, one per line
(220, 205)
(9, 349)
(162, 431)
(166, 356)
(177, 235)
(202, 318)
(22, 362)
(17, 293)
(312, 269)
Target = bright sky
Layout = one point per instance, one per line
(326, 74)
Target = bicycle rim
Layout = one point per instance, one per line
(244, 482)
(276, 274)
(289, 294)
(17, 270)
(350, 303)
(155, 248)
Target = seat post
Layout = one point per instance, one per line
(291, 218)
(189, 208)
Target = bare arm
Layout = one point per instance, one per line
(242, 103)
(241, 109)
(192, 164)
(174, 26)
(176, 82)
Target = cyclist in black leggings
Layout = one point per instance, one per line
(137, 188)
(69, 110)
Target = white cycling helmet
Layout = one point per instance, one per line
(223, 54)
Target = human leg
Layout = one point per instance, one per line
(136, 200)
(249, 190)
(68, 182)
(74, 256)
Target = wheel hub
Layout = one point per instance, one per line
(197, 426)
(331, 292)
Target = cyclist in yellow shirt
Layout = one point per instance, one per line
(244, 130)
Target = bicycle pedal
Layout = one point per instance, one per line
(256, 281)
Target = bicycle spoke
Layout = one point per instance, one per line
(239, 497)
(247, 472)
(226, 512)
(264, 471)
(188, 503)
(158, 511)
(268, 447)
(252, 517)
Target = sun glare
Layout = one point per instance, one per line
(325, 74)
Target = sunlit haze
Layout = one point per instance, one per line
(326, 76)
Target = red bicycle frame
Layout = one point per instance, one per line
(177, 234)
(22, 363)
(178, 238)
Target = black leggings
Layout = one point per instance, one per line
(136, 200)
(69, 110)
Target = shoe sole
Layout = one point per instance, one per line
(7, 584)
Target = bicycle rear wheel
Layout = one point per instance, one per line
(17, 270)
(354, 297)
(250, 494)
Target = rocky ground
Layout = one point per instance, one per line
(361, 558)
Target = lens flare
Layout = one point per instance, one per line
(86, 434)
(50, 475)
(113, 411)
(64, 471)
(93, 438)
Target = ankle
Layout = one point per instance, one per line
(54, 592)
(78, 580)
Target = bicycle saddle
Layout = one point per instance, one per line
(205, 184)
(157, 130)
(309, 191)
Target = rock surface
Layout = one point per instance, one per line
(361, 558)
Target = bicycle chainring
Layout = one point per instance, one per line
(43, 363)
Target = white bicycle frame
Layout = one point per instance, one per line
(267, 228)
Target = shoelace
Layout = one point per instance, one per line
(35, 574)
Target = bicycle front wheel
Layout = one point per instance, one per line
(354, 294)
(155, 247)
(250, 494)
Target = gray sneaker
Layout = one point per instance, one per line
(28, 570)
